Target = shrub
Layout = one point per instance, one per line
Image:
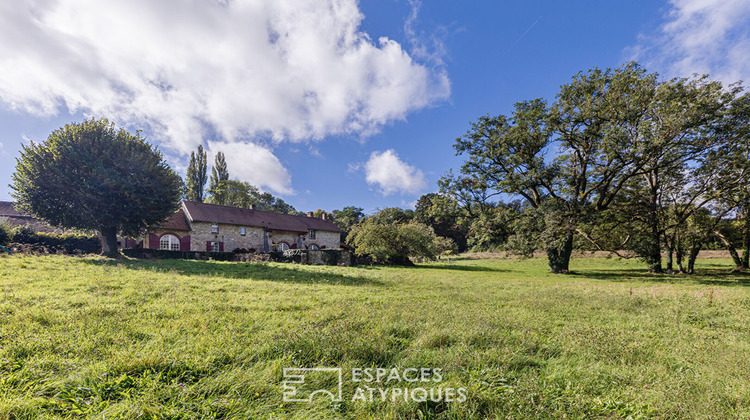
(165, 254)
(71, 243)
(392, 243)
(4, 234)
(331, 256)
(295, 255)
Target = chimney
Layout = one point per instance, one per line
(325, 217)
(252, 206)
(309, 214)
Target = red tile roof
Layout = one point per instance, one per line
(202, 212)
(178, 221)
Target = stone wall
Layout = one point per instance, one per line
(325, 239)
(231, 238)
(228, 234)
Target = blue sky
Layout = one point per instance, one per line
(330, 103)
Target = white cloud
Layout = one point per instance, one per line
(254, 164)
(700, 36)
(189, 71)
(392, 175)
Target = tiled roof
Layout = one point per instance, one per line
(12, 217)
(7, 209)
(202, 212)
(178, 221)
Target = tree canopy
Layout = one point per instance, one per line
(196, 175)
(93, 176)
(616, 144)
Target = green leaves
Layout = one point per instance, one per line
(93, 176)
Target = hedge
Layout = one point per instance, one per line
(70, 243)
(163, 254)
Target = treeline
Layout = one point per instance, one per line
(224, 191)
(619, 161)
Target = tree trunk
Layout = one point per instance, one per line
(738, 266)
(670, 265)
(109, 242)
(694, 251)
(653, 250)
(559, 258)
(653, 253)
(680, 255)
(746, 242)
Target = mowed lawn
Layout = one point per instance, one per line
(92, 338)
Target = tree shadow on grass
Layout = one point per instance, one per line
(241, 270)
(453, 266)
(722, 276)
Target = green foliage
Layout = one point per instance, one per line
(244, 195)
(624, 141)
(444, 216)
(5, 234)
(92, 176)
(165, 254)
(295, 255)
(196, 175)
(71, 243)
(217, 187)
(332, 256)
(392, 243)
(346, 218)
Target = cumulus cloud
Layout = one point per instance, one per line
(700, 36)
(189, 71)
(255, 164)
(392, 175)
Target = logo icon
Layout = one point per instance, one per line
(303, 384)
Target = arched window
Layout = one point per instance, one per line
(169, 242)
(283, 246)
(313, 247)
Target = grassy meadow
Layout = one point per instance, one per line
(92, 338)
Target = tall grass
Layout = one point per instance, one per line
(91, 338)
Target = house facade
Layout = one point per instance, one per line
(209, 227)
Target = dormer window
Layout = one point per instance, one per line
(214, 228)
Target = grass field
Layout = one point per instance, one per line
(91, 338)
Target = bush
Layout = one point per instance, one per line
(164, 254)
(4, 234)
(331, 256)
(295, 255)
(70, 243)
(393, 243)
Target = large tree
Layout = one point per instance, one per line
(93, 176)
(219, 175)
(196, 175)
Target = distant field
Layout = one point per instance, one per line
(90, 338)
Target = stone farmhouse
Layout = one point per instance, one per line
(209, 227)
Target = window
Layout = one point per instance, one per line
(313, 247)
(214, 228)
(169, 242)
(283, 246)
(312, 234)
(242, 231)
(215, 247)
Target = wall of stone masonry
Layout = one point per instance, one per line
(229, 234)
(324, 238)
(253, 238)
